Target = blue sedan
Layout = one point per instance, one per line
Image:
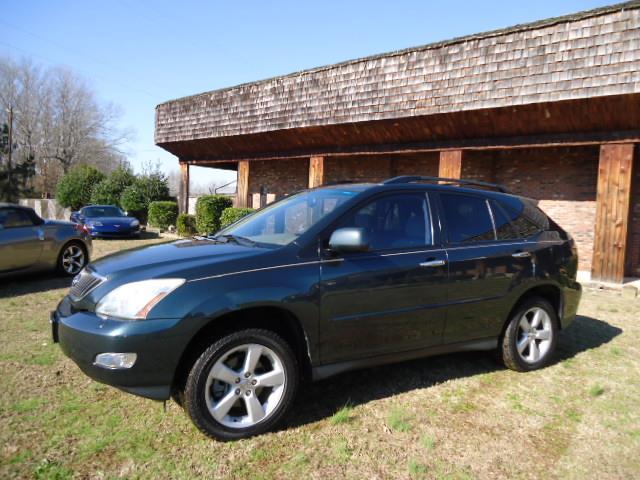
(106, 221)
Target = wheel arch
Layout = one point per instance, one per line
(549, 291)
(268, 317)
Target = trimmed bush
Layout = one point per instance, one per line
(74, 189)
(232, 214)
(163, 214)
(209, 209)
(186, 225)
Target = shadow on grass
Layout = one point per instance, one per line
(144, 235)
(32, 283)
(322, 399)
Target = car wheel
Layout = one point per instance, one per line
(242, 385)
(529, 340)
(72, 259)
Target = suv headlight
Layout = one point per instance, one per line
(134, 301)
(135, 223)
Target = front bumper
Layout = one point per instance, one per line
(571, 301)
(157, 343)
(112, 232)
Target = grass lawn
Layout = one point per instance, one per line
(456, 416)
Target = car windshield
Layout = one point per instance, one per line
(287, 219)
(102, 212)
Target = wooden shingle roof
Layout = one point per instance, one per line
(586, 55)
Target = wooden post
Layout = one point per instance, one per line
(450, 164)
(613, 202)
(183, 206)
(242, 199)
(316, 171)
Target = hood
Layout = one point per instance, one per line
(184, 258)
(110, 220)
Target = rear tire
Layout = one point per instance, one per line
(529, 340)
(242, 385)
(72, 258)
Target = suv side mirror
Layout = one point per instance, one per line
(349, 240)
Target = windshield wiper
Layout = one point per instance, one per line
(234, 238)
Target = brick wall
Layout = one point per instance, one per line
(375, 168)
(633, 255)
(564, 180)
(279, 177)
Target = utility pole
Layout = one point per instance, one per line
(10, 146)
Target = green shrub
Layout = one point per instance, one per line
(162, 214)
(109, 191)
(132, 199)
(74, 189)
(209, 209)
(232, 214)
(154, 187)
(186, 225)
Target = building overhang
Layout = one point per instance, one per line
(584, 121)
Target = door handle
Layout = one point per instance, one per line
(433, 263)
(521, 254)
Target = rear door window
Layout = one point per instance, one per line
(467, 218)
(505, 230)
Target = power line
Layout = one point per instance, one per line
(89, 74)
(91, 58)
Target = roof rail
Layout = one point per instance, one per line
(454, 181)
(337, 182)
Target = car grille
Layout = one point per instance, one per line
(83, 283)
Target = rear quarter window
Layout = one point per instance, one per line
(526, 217)
(467, 218)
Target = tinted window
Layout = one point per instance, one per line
(394, 221)
(93, 212)
(15, 217)
(468, 218)
(504, 229)
(526, 227)
(282, 222)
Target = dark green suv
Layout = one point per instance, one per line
(323, 281)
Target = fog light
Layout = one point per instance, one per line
(115, 361)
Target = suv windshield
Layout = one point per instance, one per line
(284, 221)
(102, 212)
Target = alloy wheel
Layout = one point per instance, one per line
(73, 259)
(535, 335)
(245, 386)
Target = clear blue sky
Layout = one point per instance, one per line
(137, 54)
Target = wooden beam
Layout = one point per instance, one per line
(477, 144)
(316, 171)
(613, 202)
(242, 199)
(450, 164)
(183, 205)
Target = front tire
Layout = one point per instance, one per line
(530, 338)
(242, 385)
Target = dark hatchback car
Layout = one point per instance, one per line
(320, 282)
(106, 221)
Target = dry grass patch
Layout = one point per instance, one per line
(455, 416)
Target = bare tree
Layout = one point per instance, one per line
(58, 122)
